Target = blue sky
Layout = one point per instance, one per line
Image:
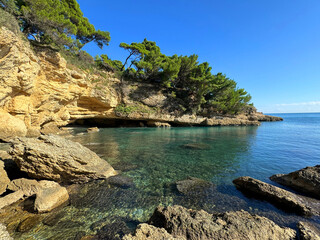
(269, 47)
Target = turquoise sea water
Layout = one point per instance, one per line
(155, 158)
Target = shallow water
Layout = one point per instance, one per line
(155, 158)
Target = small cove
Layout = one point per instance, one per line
(155, 158)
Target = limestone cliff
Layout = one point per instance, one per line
(40, 92)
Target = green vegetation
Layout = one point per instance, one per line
(183, 77)
(190, 85)
(59, 22)
(125, 110)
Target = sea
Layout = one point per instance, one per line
(154, 159)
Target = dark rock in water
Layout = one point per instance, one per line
(196, 146)
(28, 223)
(306, 180)
(190, 224)
(193, 185)
(53, 219)
(281, 198)
(79, 236)
(114, 231)
(121, 181)
(308, 231)
(58, 159)
(124, 166)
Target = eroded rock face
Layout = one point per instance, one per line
(308, 231)
(306, 180)
(11, 126)
(58, 159)
(189, 224)
(280, 197)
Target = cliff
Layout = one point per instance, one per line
(40, 92)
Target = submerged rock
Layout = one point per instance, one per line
(280, 197)
(121, 181)
(190, 224)
(306, 180)
(28, 223)
(55, 158)
(196, 146)
(193, 185)
(148, 232)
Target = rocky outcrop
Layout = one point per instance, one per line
(306, 180)
(258, 116)
(58, 159)
(308, 231)
(279, 197)
(11, 198)
(4, 180)
(180, 222)
(148, 232)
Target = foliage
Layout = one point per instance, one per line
(105, 62)
(123, 109)
(185, 78)
(60, 22)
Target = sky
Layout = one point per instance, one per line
(271, 48)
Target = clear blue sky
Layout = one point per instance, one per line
(269, 47)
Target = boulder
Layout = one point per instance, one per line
(55, 158)
(193, 185)
(281, 198)
(50, 196)
(306, 180)
(4, 180)
(308, 231)
(11, 126)
(93, 129)
(4, 235)
(190, 224)
(148, 232)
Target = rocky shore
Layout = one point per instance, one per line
(40, 92)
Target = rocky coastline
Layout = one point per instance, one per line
(41, 94)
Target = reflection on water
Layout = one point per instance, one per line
(156, 158)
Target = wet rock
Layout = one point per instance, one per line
(4, 180)
(10, 199)
(308, 231)
(279, 197)
(4, 235)
(121, 181)
(306, 180)
(55, 158)
(148, 232)
(196, 146)
(93, 129)
(181, 222)
(50, 196)
(28, 223)
(193, 185)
